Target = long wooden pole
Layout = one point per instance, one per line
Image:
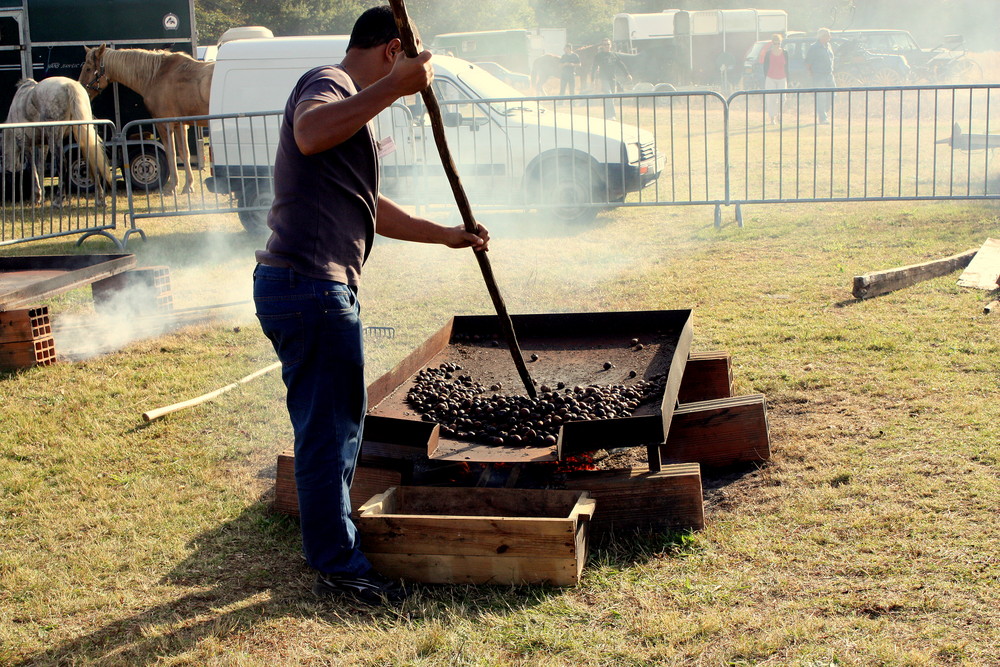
(166, 410)
(406, 34)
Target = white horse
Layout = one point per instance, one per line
(57, 99)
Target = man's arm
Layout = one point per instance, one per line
(393, 222)
(319, 126)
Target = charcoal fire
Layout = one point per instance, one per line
(466, 409)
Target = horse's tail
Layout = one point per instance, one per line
(88, 139)
(92, 148)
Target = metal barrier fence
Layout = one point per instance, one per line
(893, 143)
(51, 183)
(575, 156)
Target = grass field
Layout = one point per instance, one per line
(871, 538)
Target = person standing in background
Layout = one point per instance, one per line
(820, 63)
(569, 65)
(775, 61)
(607, 68)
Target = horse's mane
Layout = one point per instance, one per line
(141, 65)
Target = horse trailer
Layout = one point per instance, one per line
(700, 47)
(43, 38)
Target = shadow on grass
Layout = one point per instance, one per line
(244, 573)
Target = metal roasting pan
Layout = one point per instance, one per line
(571, 347)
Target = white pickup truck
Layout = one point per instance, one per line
(510, 151)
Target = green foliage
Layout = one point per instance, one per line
(434, 17)
(314, 17)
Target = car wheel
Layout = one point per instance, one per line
(75, 176)
(966, 71)
(886, 77)
(257, 198)
(568, 190)
(148, 168)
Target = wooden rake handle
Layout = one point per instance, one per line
(406, 34)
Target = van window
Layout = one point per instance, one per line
(454, 99)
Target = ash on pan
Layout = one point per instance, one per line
(468, 411)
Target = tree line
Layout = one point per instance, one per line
(587, 21)
(584, 20)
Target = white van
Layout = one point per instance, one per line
(509, 151)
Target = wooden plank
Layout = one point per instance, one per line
(368, 481)
(707, 376)
(25, 324)
(983, 272)
(461, 569)
(883, 282)
(26, 279)
(465, 501)
(461, 535)
(720, 433)
(629, 500)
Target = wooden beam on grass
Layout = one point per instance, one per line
(883, 282)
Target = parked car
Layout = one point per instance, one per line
(854, 64)
(514, 79)
(889, 42)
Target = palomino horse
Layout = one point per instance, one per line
(171, 84)
(55, 99)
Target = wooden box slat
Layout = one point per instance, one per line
(368, 480)
(707, 376)
(639, 500)
(479, 536)
(448, 569)
(477, 547)
(720, 433)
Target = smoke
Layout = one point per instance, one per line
(181, 280)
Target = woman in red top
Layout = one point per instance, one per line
(775, 60)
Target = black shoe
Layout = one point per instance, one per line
(370, 588)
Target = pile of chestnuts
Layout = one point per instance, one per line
(468, 410)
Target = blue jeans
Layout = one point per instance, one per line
(316, 332)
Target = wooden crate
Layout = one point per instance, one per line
(477, 536)
(638, 500)
(368, 481)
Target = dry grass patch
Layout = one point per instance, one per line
(869, 539)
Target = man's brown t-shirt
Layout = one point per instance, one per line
(323, 217)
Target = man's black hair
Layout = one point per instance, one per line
(375, 27)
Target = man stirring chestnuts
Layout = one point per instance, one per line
(326, 210)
